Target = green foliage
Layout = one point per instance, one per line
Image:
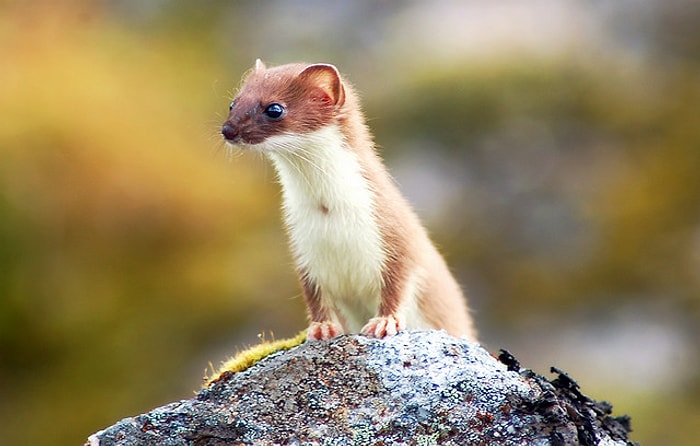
(617, 156)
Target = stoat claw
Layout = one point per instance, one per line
(383, 326)
(323, 330)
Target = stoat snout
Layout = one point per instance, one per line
(230, 133)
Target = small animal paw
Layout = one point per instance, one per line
(323, 330)
(383, 326)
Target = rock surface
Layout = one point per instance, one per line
(416, 388)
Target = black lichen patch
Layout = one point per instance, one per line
(570, 417)
(509, 361)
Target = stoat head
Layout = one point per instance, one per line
(289, 99)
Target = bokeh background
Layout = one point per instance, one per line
(552, 147)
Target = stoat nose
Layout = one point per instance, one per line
(229, 132)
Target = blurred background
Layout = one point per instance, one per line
(552, 147)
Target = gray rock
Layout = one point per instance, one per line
(416, 388)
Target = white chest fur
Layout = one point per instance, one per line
(329, 209)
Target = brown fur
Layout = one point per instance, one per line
(308, 99)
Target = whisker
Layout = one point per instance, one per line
(306, 157)
(286, 156)
(303, 154)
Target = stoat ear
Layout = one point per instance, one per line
(327, 78)
(259, 65)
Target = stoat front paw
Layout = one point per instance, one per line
(323, 330)
(383, 326)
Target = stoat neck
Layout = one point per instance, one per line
(318, 166)
(329, 209)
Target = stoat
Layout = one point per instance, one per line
(364, 260)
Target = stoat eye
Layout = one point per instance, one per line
(274, 111)
(230, 107)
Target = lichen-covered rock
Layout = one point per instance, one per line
(416, 388)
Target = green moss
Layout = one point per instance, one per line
(249, 357)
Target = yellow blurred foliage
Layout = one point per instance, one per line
(119, 215)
